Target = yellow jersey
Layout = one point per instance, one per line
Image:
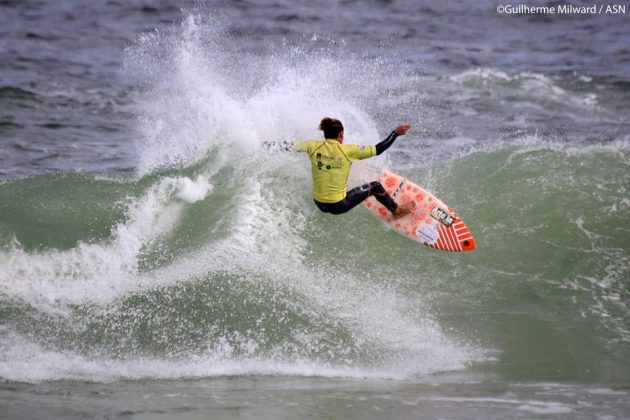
(330, 166)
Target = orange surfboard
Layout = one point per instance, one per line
(431, 223)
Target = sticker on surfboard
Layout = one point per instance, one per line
(442, 216)
(431, 223)
(428, 234)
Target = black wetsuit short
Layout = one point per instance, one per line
(356, 195)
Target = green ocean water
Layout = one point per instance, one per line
(210, 292)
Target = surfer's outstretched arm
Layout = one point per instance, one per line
(282, 145)
(389, 140)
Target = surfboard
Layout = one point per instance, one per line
(431, 223)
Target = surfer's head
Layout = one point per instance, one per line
(332, 128)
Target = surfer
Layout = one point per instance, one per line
(331, 160)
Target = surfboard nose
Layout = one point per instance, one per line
(468, 244)
(464, 237)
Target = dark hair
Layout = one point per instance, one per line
(331, 127)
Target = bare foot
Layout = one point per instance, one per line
(404, 209)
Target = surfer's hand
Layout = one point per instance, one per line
(283, 145)
(402, 129)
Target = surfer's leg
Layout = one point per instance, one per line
(339, 207)
(356, 195)
(377, 190)
(386, 200)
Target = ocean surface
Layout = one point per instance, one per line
(157, 262)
